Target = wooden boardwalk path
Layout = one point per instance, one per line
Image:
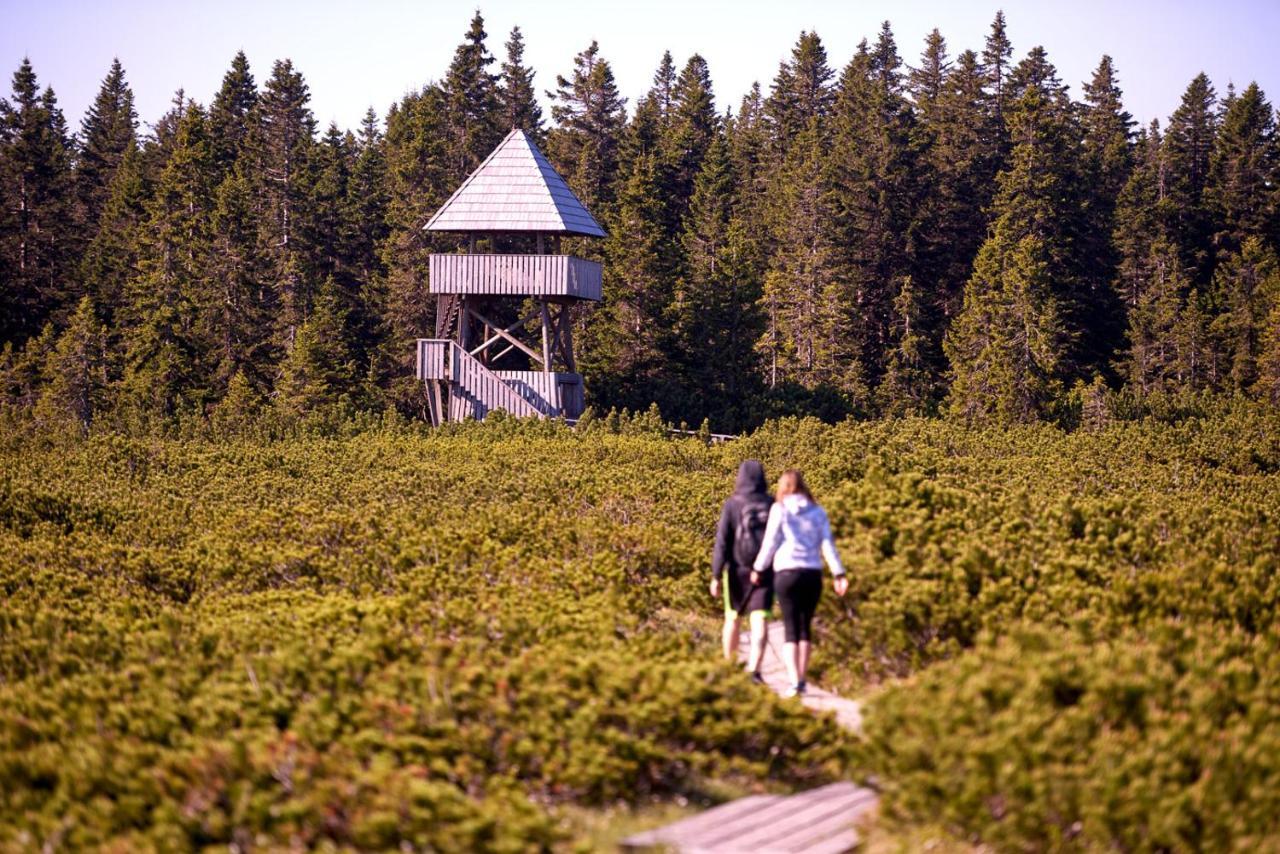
(819, 821)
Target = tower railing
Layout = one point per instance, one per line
(516, 275)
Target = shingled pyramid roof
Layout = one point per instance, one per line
(515, 189)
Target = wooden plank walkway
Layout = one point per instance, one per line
(819, 821)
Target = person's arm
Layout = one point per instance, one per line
(828, 547)
(724, 543)
(772, 539)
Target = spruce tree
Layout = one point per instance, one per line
(808, 310)
(996, 55)
(692, 124)
(165, 368)
(1106, 159)
(237, 313)
(473, 115)
(1268, 385)
(1244, 164)
(517, 99)
(1010, 346)
(319, 371)
(911, 384)
(417, 168)
(108, 131)
(1150, 283)
(716, 318)
(1189, 143)
(662, 93)
(961, 159)
(281, 153)
(628, 338)
(1245, 285)
(231, 113)
(367, 200)
(590, 116)
(875, 160)
(38, 243)
(802, 92)
(1006, 345)
(1155, 318)
(110, 260)
(928, 83)
(75, 376)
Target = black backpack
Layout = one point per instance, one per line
(748, 532)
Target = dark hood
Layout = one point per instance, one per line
(750, 479)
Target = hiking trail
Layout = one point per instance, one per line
(819, 821)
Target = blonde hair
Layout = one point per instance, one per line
(792, 483)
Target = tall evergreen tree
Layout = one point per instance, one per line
(692, 124)
(662, 93)
(231, 113)
(589, 115)
(517, 99)
(417, 166)
(165, 370)
(802, 91)
(1188, 150)
(473, 115)
(961, 160)
(1245, 286)
(281, 151)
(996, 56)
(628, 337)
(367, 200)
(1244, 164)
(110, 260)
(109, 130)
(807, 337)
(717, 321)
(911, 384)
(320, 370)
(1106, 160)
(928, 83)
(875, 157)
(37, 244)
(1010, 346)
(238, 302)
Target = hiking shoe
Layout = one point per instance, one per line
(802, 688)
(757, 678)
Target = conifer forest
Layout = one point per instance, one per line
(1026, 351)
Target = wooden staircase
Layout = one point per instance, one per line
(472, 389)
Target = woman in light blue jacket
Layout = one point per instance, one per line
(796, 540)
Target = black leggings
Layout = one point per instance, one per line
(798, 591)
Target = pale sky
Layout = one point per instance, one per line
(369, 54)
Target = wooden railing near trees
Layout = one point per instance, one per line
(516, 275)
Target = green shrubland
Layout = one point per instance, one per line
(367, 634)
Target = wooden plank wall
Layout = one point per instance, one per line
(516, 275)
(431, 362)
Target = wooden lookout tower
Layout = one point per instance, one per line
(487, 302)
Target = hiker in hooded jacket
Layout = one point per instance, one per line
(796, 541)
(748, 587)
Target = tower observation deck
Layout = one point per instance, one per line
(504, 336)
